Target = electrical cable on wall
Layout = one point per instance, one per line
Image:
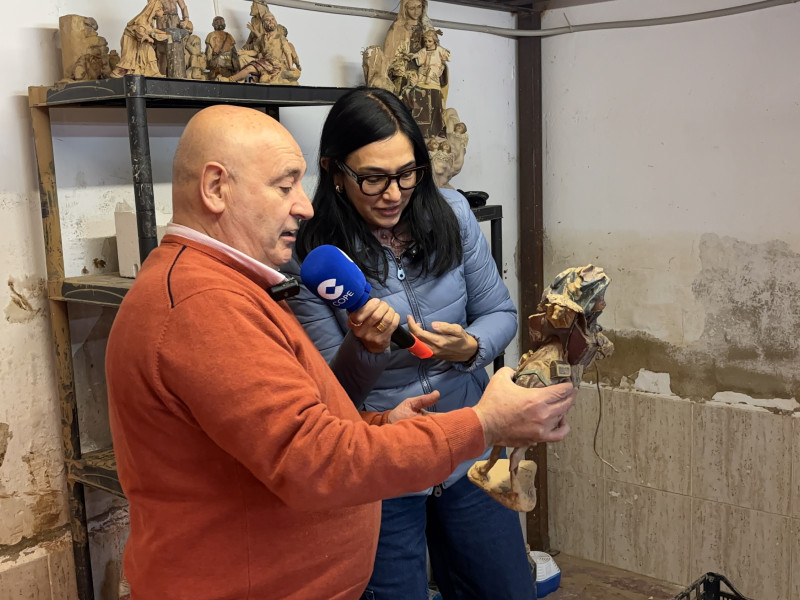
(517, 33)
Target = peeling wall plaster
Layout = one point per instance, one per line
(715, 313)
(5, 436)
(751, 295)
(27, 299)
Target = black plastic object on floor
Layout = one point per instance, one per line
(709, 587)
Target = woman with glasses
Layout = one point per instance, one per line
(425, 256)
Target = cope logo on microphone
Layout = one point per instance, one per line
(334, 293)
(329, 290)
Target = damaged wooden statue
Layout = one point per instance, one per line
(565, 341)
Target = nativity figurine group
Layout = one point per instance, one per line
(160, 42)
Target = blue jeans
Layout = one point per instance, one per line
(476, 548)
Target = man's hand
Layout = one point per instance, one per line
(413, 407)
(449, 341)
(515, 416)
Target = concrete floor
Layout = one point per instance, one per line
(585, 580)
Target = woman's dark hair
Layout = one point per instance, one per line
(360, 117)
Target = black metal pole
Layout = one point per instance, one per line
(496, 237)
(136, 104)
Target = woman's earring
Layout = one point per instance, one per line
(338, 189)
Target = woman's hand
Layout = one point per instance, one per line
(374, 324)
(449, 341)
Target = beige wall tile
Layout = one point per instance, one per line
(742, 457)
(648, 439)
(795, 548)
(647, 531)
(749, 547)
(27, 579)
(795, 510)
(61, 566)
(576, 451)
(575, 514)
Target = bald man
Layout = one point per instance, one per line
(248, 470)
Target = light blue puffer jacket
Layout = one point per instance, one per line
(472, 295)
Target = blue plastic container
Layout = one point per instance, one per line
(548, 575)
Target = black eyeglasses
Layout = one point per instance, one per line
(374, 184)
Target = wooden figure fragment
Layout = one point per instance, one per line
(565, 341)
(84, 53)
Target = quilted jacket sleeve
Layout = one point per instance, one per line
(491, 315)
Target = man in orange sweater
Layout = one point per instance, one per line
(249, 472)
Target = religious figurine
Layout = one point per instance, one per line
(271, 58)
(413, 65)
(385, 65)
(137, 53)
(84, 53)
(565, 341)
(292, 58)
(259, 10)
(456, 140)
(194, 58)
(442, 161)
(220, 51)
(431, 61)
(171, 21)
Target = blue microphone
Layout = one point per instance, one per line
(332, 276)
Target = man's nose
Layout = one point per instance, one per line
(303, 208)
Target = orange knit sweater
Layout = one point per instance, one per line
(250, 474)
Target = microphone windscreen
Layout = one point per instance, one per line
(335, 278)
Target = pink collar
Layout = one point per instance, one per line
(269, 274)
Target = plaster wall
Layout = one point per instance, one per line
(94, 176)
(669, 160)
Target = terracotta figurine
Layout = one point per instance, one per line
(220, 51)
(292, 59)
(171, 21)
(271, 59)
(259, 10)
(194, 58)
(565, 341)
(137, 53)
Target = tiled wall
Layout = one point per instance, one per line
(687, 488)
(47, 571)
(43, 573)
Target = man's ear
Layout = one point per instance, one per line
(214, 187)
